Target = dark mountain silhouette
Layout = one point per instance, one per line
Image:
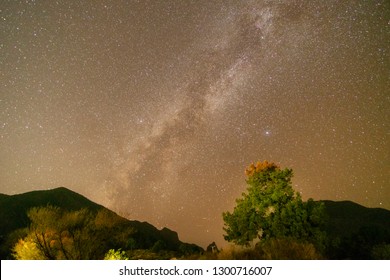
(355, 231)
(13, 208)
(13, 216)
(346, 217)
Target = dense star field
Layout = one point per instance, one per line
(155, 108)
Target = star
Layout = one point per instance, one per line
(154, 108)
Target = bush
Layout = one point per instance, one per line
(116, 255)
(381, 252)
(288, 249)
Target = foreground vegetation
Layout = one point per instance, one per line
(56, 234)
(270, 221)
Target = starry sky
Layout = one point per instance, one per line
(155, 108)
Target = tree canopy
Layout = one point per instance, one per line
(55, 233)
(272, 209)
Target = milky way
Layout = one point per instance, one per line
(155, 108)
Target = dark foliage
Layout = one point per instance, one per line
(356, 232)
(126, 234)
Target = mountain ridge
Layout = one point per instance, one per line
(348, 225)
(353, 216)
(13, 216)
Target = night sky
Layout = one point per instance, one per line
(154, 108)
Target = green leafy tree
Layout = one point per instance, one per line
(272, 209)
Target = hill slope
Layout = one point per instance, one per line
(13, 208)
(354, 230)
(346, 217)
(13, 216)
